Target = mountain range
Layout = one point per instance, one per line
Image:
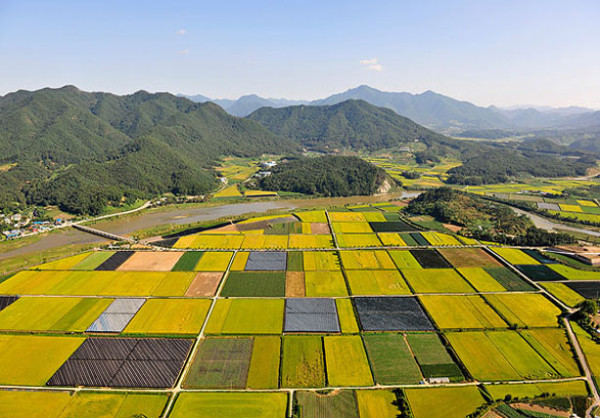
(433, 110)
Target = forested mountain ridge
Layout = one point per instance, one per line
(110, 146)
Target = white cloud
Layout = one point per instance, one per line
(183, 52)
(181, 32)
(372, 64)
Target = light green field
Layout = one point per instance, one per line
(169, 316)
(404, 259)
(391, 360)
(525, 309)
(223, 404)
(514, 256)
(436, 281)
(340, 403)
(553, 346)
(532, 390)
(444, 402)
(376, 282)
(64, 263)
(573, 274)
(246, 316)
(341, 351)
(214, 261)
(461, 312)
(480, 279)
(93, 260)
(264, 365)
(563, 293)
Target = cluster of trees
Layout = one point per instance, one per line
(483, 219)
(498, 166)
(326, 176)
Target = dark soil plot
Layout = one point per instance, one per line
(254, 284)
(539, 273)
(408, 239)
(115, 261)
(393, 226)
(5, 301)
(391, 314)
(587, 289)
(391, 360)
(266, 261)
(508, 279)
(311, 315)
(539, 257)
(188, 261)
(221, 363)
(468, 257)
(430, 259)
(419, 239)
(295, 261)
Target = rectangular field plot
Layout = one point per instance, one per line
(391, 314)
(220, 363)
(430, 259)
(339, 403)
(539, 273)
(264, 365)
(347, 217)
(436, 281)
(116, 316)
(346, 316)
(169, 316)
(469, 257)
(532, 390)
(340, 351)
(31, 360)
(444, 402)
(127, 363)
(303, 242)
(565, 293)
(115, 261)
(373, 403)
(246, 316)
(294, 284)
(391, 359)
(433, 357)
(233, 404)
(258, 241)
(573, 274)
(266, 261)
(205, 241)
(499, 355)
(525, 310)
(351, 228)
(254, 284)
(151, 261)
(188, 261)
(325, 284)
(93, 260)
(204, 284)
(295, 261)
(461, 312)
(51, 314)
(391, 239)
(302, 362)
(480, 279)
(553, 346)
(438, 239)
(418, 239)
(67, 263)
(392, 226)
(312, 216)
(320, 261)
(311, 315)
(376, 282)
(508, 279)
(214, 261)
(588, 290)
(366, 260)
(403, 259)
(358, 240)
(514, 256)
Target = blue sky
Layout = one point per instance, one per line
(541, 52)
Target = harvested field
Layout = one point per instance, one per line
(246, 316)
(480, 279)
(321, 261)
(115, 261)
(514, 256)
(366, 260)
(358, 240)
(452, 312)
(220, 363)
(565, 293)
(204, 284)
(433, 357)
(436, 281)
(254, 284)
(319, 229)
(540, 273)
(214, 261)
(325, 284)
(376, 282)
(169, 316)
(469, 257)
(264, 365)
(302, 362)
(508, 279)
(391, 359)
(31, 360)
(151, 261)
(266, 261)
(392, 226)
(391, 314)
(234, 404)
(294, 284)
(525, 309)
(295, 261)
(430, 259)
(373, 403)
(188, 261)
(403, 259)
(588, 290)
(311, 315)
(444, 402)
(346, 316)
(340, 351)
(320, 405)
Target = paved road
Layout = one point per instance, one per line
(548, 225)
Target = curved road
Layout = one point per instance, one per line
(548, 225)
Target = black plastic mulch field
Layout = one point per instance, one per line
(266, 261)
(587, 289)
(392, 226)
(311, 315)
(124, 362)
(539, 273)
(7, 300)
(430, 259)
(392, 314)
(115, 261)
